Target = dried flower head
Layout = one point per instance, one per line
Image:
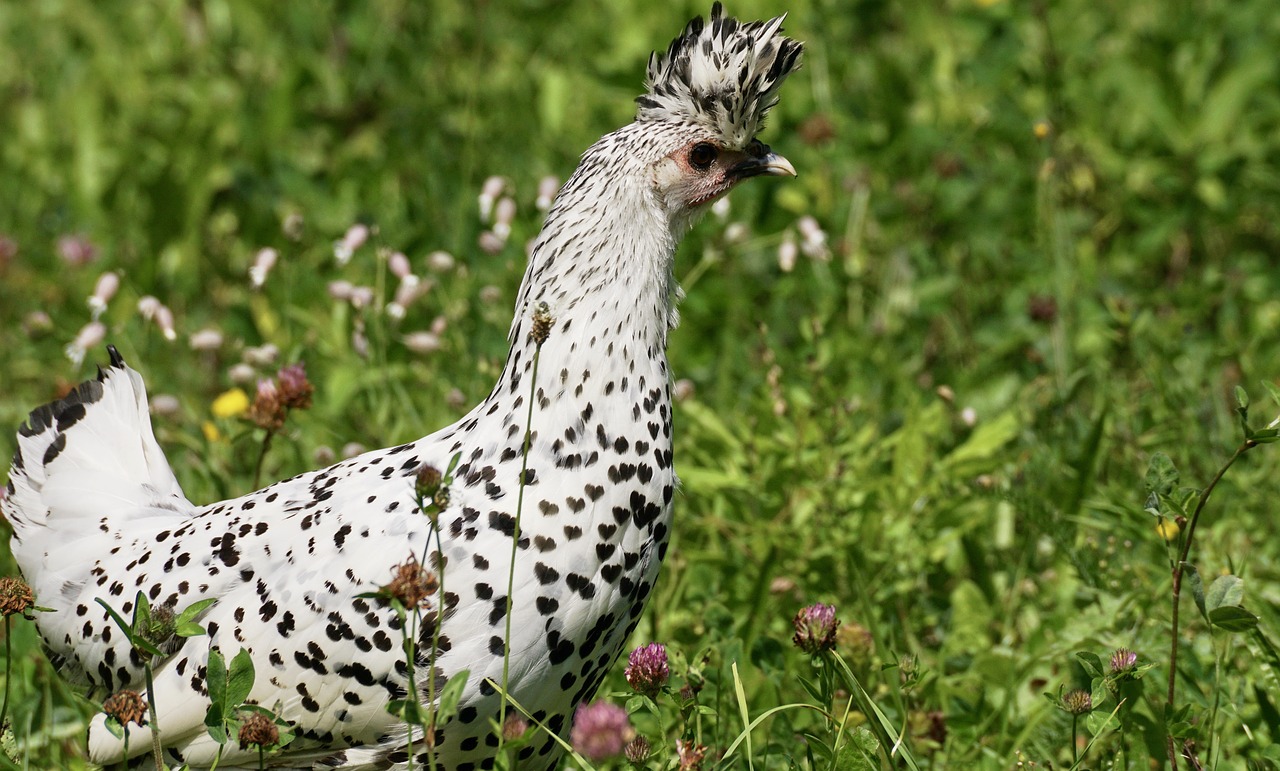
(1123, 661)
(647, 669)
(126, 707)
(600, 730)
(413, 585)
(258, 730)
(542, 323)
(268, 410)
(1078, 702)
(690, 754)
(637, 750)
(815, 628)
(15, 597)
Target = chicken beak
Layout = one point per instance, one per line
(766, 164)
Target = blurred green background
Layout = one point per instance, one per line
(1051, 250)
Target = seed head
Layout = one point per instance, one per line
(295, 389)
(542, 323)
(258, 730)
(15, 597)
(413, 585)
(600, 730)
(637, 750)
(647, 669)
(267, 410)
(815, 628)
(126, 707)
(1078, 702)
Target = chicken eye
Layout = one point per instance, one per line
(702, 156)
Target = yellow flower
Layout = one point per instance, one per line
(1041, 129)
(230, 404)
(1168, 529)
(211, 432)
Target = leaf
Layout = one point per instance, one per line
(1197, 590)
(1233, 618)
(451, 695)
(186, 619)
(1091, 662)
(1162, 477)
(1225, 590)
(860, 752)
(216, 682)
(1242, 398)
(239, 679)
(1273, 390)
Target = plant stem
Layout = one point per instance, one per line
(262, 456)
(515, 541)
(1075, 753)
(155, 724)
(1178, 566)
(8, 673)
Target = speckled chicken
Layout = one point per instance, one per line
(98, 514)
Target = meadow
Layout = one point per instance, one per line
(968, 378)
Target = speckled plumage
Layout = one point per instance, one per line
(97, 512)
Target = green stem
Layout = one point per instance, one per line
(155, 724)
(435, 638)
(8, 673)
(409, 633)
(262, 456)
(1170, 745)
(1075, 724)
(515, 541)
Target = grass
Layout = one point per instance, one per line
(1050, 255)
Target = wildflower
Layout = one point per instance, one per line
(720, 209)
(261, 356)
(267, 410)
(210, 431)
(1042, 129)
(165, 404)
(637, 750)
(258, 730)
(1078, 702)
(106, 288)
(126, 707)
(427, 482)
(324, 455)
(412, 584)
(160, 626)
(410, 289)
(503, 216)
(683, 390)
(1168, 529)
(89, 335)
(489, 192)
(37, 324)
(456, 399)
(490, 294)
(736, 232)
(422, 342)
(547, 188)
(600, 730)
(1123, 661)
(205, 340)
(230, 404)
(352, 449)
(647, 669)
(542, 323)
(293, 225)
(352, 240)
(440, 262)
(341, 289)
(491, 243)
(15, 597)
(295, 389)
(399, 265)
(969, 417)
(813, 239)
(514, 728)
(788, 252)
(241, 373)
(690, 754)
(815, 628)
(263, 262)
(76, 250)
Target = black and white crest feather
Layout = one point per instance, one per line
(723, 76)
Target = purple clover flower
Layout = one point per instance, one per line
(815, 628)
(647, 669)
(600, 730)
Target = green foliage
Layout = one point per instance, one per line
(1050, 238)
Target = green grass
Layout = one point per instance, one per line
(1053, 250)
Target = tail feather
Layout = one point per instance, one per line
(86, 460)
